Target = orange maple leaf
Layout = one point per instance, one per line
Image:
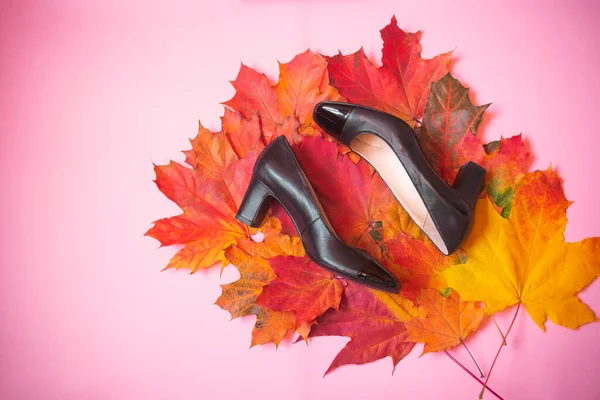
(445, 322)
(284, 108)
(255, 272)
(271, 326)
(274, 242)
(239, 297)
(209, 195)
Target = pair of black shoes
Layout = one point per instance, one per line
(444, 213)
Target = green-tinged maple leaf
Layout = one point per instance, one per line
(373, 321)
(284, 108)
(447, 134)
(448, 139)
(445, 322)
(301, 286)
(524, 259)
(505, 160)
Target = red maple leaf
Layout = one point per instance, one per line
(400, 86)
(301, 286)
(375, 330)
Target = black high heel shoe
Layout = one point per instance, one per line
(278, 175)
(444, 213)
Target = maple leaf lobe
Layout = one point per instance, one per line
(525, 259)
(447, 321)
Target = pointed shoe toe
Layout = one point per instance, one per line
(375, 275)
(332, 116)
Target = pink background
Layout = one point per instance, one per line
(93, 91)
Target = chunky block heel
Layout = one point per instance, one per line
(469, 182)
(278, 175)
(255, 204)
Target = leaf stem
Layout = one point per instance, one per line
(472, 358)
(498, 353)
(472, 374)
(500, 331)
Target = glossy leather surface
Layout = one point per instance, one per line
(331, 117)
(451, 212)
(279, 174)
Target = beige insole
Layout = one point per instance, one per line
(379, 154)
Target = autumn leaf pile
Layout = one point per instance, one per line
(516, 253)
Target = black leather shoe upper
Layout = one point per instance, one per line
(450, 213)
(278, 169)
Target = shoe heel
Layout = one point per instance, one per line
(255, 204)
(469, 182)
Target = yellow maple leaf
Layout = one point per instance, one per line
(524, 259)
